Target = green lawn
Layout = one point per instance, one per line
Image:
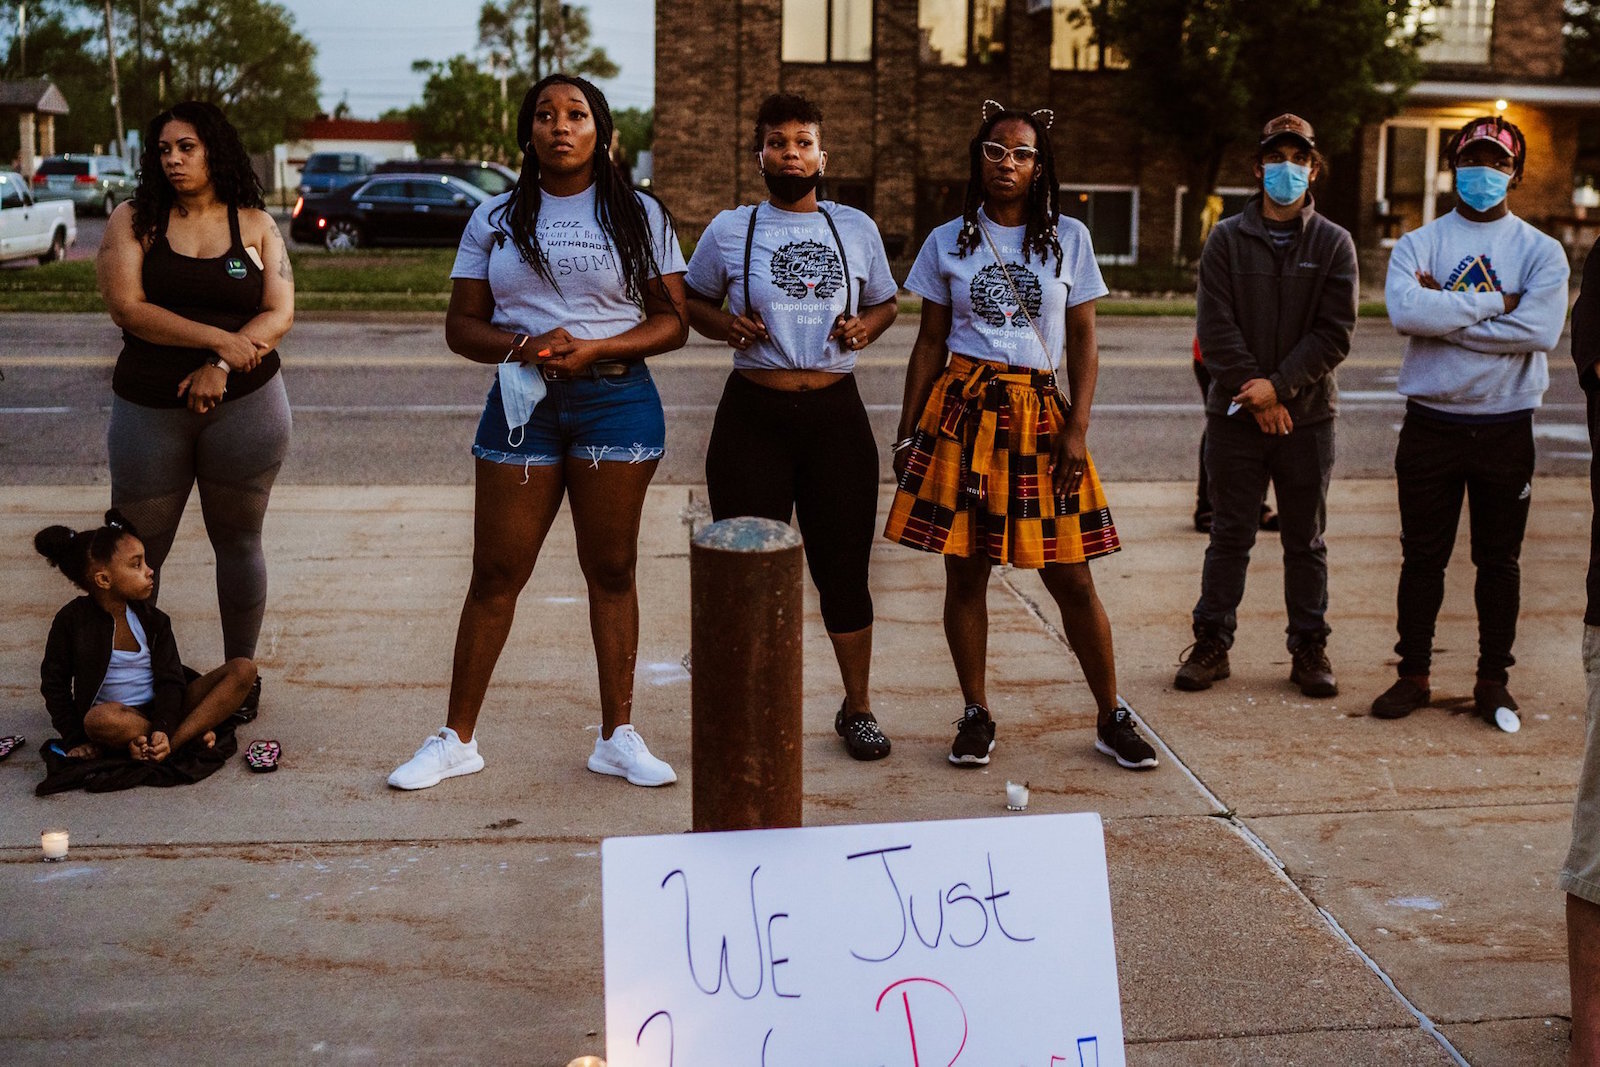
(403, 280)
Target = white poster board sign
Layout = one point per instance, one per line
(975, 943)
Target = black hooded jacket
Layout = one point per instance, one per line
(78, 652)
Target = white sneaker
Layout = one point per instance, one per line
(441, 756)
(626, 756)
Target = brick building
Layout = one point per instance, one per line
(901, 81)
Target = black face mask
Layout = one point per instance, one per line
(791, 188)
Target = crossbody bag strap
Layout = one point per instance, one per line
(749, 241)
(844, 260)
(1017, 297)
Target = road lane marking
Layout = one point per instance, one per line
(693, 360)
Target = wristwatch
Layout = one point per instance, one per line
(221, 364)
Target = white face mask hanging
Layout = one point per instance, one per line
(521, 389)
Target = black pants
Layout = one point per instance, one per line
(1240, 460)
(1202, 495)
(1435, 464)
(776, 454)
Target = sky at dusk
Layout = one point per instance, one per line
(365, 47)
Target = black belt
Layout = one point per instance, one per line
(605, 368)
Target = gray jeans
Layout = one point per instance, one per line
(233, 454)
(1240, 460)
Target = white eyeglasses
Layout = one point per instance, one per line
(994, 152)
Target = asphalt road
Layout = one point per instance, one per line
(379, 400)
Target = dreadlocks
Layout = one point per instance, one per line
(1040, 236)
(617, 208)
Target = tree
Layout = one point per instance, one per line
(638, 129)
(1581, 42)
(242, 55)
(69, 52)
(1203, 75)
(463, 112)
(538, 37)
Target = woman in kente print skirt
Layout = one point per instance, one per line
(992, 460)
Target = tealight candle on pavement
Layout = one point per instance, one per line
(1017, 796)
(54, 843)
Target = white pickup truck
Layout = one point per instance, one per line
(45, 229)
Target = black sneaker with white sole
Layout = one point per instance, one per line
(1122, 742)
(974, 737)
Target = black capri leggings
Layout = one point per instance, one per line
(776, 454)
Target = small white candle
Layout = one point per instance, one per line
(54, 843)
(1017, 796)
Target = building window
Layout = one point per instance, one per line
(827, 31)
(851, 192)
(1112, 214)
(938, 203)
(1225, 202)
(1461, 28)
(1073, 45)
(959, 33)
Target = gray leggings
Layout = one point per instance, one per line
(233, 453)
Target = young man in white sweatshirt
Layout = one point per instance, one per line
(1481, 297)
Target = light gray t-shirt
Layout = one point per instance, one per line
(797, 279)
(589, 298)
(986, 321)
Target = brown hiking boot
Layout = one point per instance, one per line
(1312, 672)
(1202, 663)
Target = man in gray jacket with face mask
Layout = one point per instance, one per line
(1277, 306)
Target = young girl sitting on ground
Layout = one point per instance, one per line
(111, 676)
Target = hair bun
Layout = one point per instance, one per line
(117, 521)
(54, 543)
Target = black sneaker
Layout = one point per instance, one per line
(252, 704)
(1202, 663)
(1121, 740)
(1312, 672)
(1401, 699)
(974, 737)
(1496, 706)
(863, 738)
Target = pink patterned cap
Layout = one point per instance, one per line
(1492, 131)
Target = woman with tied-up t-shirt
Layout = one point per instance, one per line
(808, 287)
(993, 461)
(568, 281)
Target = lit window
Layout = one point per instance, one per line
(958, 33)
(827, 31)
(1073, 45)
(1461, 31)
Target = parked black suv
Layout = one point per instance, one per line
(492, 178)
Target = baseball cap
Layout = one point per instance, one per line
(1287, 125)
(1492, 131)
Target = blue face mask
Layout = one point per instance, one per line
(1481, 188)
(1285, 182)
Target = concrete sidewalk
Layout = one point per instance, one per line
(1297, 883)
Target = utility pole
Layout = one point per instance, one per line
(22, 38)
(538, 37)
(116, 95)
(144, 86)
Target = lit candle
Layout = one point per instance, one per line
(1017, 796)
(54, 843)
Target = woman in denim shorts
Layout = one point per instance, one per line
(568, 281)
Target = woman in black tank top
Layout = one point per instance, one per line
(195, 273)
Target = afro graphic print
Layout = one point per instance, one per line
(802, 267)
(994, 302)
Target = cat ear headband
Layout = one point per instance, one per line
(1044, 115)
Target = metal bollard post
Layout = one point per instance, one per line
(746, 615)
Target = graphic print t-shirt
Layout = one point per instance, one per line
(987, 322)
(797, 281)
(589, 297)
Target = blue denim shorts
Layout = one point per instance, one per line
(596, 419)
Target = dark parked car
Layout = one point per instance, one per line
(326, 171)
(388, 209)
(492, 178)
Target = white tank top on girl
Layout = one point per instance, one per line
(130, 679)
(797, 281)
(986, 320)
